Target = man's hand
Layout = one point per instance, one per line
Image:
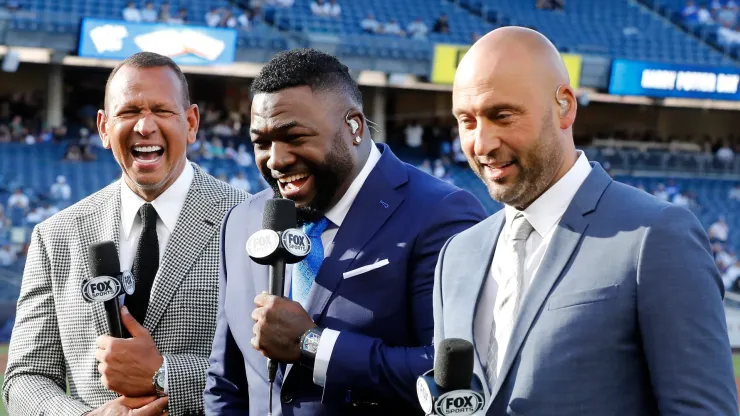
(126, 406)
(127, 366)
(279, 324)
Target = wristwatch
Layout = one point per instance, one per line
(309, 344)
(158, 380)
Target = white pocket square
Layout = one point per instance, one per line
(365, 269)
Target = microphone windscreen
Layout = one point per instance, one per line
(453, 366)
(279, 215)
(103, 259)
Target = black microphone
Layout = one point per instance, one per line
(277, 244)
(107, 283)
(451, 388)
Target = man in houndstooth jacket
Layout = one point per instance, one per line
(60, 339)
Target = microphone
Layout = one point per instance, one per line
(107, 283)
(451, 388)
(277, 244)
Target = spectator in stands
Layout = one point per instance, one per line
(243, 157)
(426, 167)
(181, 18)
(320, 8)
(725, 154)
(731, 276)
(704, 16)
(16, 128)
(439, 169)
(28, 138)
(240, 182)
(48, 210)
(550, 4)
(73, 154)
(230, 151)
(727, 35)
(218, 148)
(229, 20)
(60, 191)
(148, 14)
(442, 25)
(727, 15)
(672, 189)
(661, 193)
(18, 201)
(4, 134)
(689, 12)
(280, 3)
(213, 18)
(244, 20)
(719, 231)
(393, 28)
(370, 25)
(682, 199)
(7, 256)
(715, 6)
(35, 216)
(734, 193)
(334, 9)
(164, 13)
(414, 132)
(131, 13)
(417, 29)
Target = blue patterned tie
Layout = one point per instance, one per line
(304, 273)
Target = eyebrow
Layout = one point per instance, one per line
(277, 129)
(494, 109)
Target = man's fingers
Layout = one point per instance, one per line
(103, 341)
(132, 325)
(154, 408)
(136, 402)
(100, 355)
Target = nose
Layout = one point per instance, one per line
(280, 156)
(486, 138)
(146, 125)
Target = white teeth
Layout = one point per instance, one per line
(294, 178)
(147, 149)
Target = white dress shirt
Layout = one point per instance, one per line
(544, 214)
(168, 205)
(336, 217)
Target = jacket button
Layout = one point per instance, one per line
(287, 398)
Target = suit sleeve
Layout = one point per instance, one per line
(363, 364)
(35, 378)
(226, 391)
(682, 319)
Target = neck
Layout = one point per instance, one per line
(151, 192)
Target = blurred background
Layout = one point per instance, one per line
(657, 83)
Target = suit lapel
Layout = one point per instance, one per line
(565, 240)
(195, 227)
(103, 223)
(467, 291)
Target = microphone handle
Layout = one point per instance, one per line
(277, 288)
(113, 316)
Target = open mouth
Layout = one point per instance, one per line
(147, 154)
(292, 185)
(500, 170)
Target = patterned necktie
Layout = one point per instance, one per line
(304, 273)
(146, 264)
(510, 278)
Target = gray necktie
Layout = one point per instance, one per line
(510, 279)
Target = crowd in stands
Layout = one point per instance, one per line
(416, 29)
(723, 14)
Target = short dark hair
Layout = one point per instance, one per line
(306, 67)
(150, 60)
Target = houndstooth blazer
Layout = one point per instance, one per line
(55, 330)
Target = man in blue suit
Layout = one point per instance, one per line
(583, 296)
(364, 294)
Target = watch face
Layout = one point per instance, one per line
(311, 343)
(160, 379)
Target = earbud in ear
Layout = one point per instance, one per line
(564, 106)
(353, 124)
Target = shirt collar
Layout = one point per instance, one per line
(547, 210)
(168, 204)
(339, 211)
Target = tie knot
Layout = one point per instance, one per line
(148, 215)
(316, 228)
(520, 228)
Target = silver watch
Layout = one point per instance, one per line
(158, 380)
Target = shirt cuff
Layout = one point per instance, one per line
(323, 355)
(166, 389)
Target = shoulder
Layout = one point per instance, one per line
(66, 218)
(252, 206)
(218, 190)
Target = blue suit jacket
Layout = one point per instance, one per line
(624, 316)
(385, 315)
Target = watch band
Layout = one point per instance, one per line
(309, 344)
(158, 380)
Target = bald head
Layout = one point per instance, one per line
(515, 108)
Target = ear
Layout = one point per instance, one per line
(103, 128)
(567, 106)
(192, 115)
(355, 121)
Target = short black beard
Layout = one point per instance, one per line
(327, 178)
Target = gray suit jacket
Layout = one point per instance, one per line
(624, 316)
(53, 341)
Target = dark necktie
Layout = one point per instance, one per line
(146, 264)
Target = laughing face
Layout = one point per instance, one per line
(148, 127)
(300, 149)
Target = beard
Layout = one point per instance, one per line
(328, 177)
(535, 170)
